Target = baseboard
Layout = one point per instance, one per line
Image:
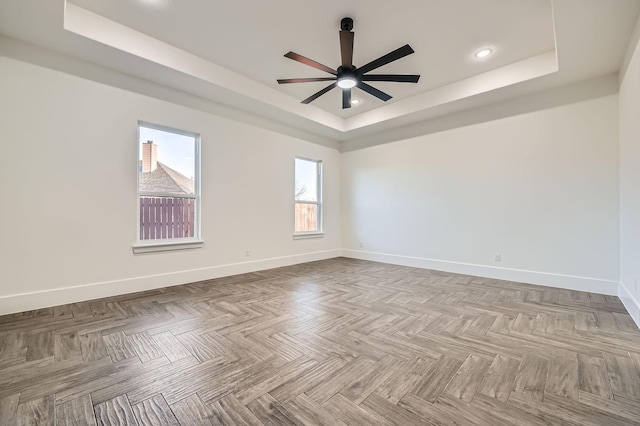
(569, 282)
(44, 299)
(630, 302)
(61, 296)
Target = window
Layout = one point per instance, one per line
(308, 198)
(168, 186)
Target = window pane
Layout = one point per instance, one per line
(306, 188)
(166, 217)
(167, 162)
(306, 217)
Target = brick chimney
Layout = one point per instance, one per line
(149, 157)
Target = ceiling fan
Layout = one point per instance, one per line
(347, 75)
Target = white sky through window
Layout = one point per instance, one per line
(307, 179)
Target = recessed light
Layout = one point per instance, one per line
(355, 101)
(483, 53)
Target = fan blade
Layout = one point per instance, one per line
(384, 60)
(373, 91)
(346, 48)
(346, 98)
(310, 62)
(304, 80)
(320, 93)
(398, 78)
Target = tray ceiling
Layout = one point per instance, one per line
(232, 52)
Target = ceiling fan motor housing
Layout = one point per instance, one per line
(344, 72)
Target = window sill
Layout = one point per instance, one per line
(166, 246)
(306, 235)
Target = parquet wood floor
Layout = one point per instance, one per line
(336, 342)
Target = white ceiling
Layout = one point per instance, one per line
(232, 52)
(252, 40)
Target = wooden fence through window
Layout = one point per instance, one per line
(306, 217)
(166, 217)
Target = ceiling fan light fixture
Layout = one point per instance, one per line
(347, 83)
(483, 53)
(347, 75)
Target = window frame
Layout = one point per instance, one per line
(170, 244)
(319, 233)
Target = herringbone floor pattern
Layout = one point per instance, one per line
(336, 342)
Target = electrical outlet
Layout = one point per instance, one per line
(361, 245)
(247, 253)
(635, 285)
(497, 257)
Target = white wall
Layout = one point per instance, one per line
(541, 188)
(68, 169)
(630, 186)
